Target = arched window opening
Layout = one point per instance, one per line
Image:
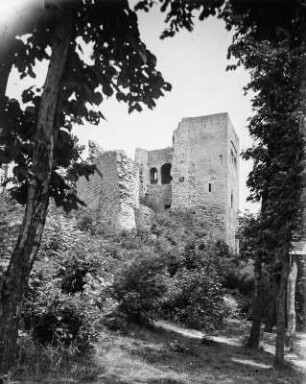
(165, 173)
(209, 187)
(153, 176)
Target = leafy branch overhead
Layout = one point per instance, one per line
(120, 65)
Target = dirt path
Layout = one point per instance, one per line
(297, 357)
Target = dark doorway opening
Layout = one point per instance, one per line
(165, 173)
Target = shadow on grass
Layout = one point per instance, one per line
(155, 355)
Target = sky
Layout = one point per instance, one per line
(194, 63)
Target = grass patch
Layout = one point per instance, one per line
(174, 355)
(164, 356)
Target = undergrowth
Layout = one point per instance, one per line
(87, 277)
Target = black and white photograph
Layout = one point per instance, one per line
(153, 191)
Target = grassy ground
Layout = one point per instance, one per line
(166, 354)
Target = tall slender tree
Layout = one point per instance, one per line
(277, 155)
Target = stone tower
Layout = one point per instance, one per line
(205, 171)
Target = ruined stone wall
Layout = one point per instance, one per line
(157, 195)
(201, 170)
(141, 159)
(112, 191)
(91, 191)
(128, 183)
(233, 151)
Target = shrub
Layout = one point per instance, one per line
(75, 267)
(241, 279)
(57, 321)
(195, 294)
(89, 221)
(11, 215)
(36, 361)
(196, 300)
(54, 317)
(66, 288)
(182, 285)
(139, 286)
(232, 306)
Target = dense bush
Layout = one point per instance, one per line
(65, 295)
(139, 286)
(195, 300)
(195, 293)
(58, 320)
(52, 316)
(181, 284)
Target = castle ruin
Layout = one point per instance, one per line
(200, 172)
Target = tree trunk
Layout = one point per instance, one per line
(303, 131)
(291, 314)
(5, 69)
(16, 277)
(303, 266)
(6, 63)
(281, 311)
(271, 317)
(254, 337)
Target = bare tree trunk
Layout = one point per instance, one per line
(271, 317)
(291, 313)
(281, 311)
(254, 338)
(6, 63)
(5, 69)
(303, 267)
(303, 131)
(16, 277)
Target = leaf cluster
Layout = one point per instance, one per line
(180, 14)
(65, 296)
